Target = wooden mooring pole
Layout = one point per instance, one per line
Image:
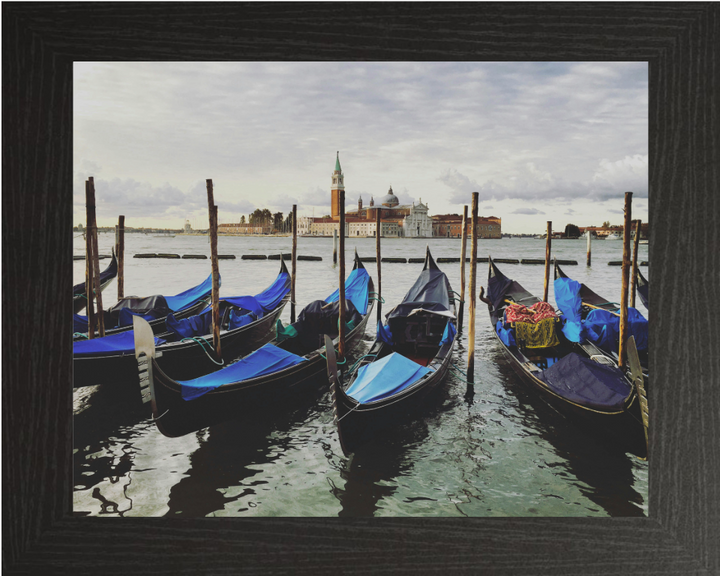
(471, 296)
(92, 232)
(546, 286)
(378, 233)
(589, 242)
(624, 334)
(463, 251)
(341, 323)
(89, 282)
(120, 254)
(633, 282)
(212, 213)
(294, 263)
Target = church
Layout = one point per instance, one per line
(398, 220)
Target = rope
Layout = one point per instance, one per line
(349, 411)
(453, 366)
(336, 361)
(80, 335)
(378, 299)
(352, 368)
(202, 342)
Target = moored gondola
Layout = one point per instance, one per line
(593, 320)
(106, 276)
(587, 388)
(154, 309)
(273, 377)
(409, 359)
(185, 345)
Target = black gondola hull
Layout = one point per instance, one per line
(359, 424)
(250, 399)
(621, 430)
(184, 359)
(618, 429)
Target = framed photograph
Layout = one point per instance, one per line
(91, 486)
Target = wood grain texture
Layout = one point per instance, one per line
(40, 42)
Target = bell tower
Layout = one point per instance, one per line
(337, 186)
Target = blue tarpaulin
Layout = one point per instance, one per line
(151, 307)
(197, 325)
(383, 333)
(507, 335)
(587, 383)
(238, 319)
(190, 296)
(568, 300)
(356, 290)
(385, 377)
(251, 303)
(271, 297)
(123, 343)
(80, 323)
(265, 360)
(603, 328)
(448, 334)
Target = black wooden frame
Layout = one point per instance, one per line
(40, 42)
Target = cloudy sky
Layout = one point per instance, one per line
(538, 141)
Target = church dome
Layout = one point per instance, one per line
(389, 199)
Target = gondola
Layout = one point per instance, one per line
(155, 309)
(80, 290)
(409, 359)
(642, 288)
(184, 347)
(596, 319)
(588, 388)
(271, 378)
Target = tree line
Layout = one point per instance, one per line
(263, 217)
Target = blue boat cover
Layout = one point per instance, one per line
(251, 303)
(356, 290)
(507, 335)
(238, 319)
(265, 360)
(271, 297)
(190, 296)
(568, 300)
(603, 328)
(121, 343)
(600, 326)
(80, 323)
(448, 334)
(151, 307)
(385, 377)
(585, 382)
(383, 333)
(196, 325)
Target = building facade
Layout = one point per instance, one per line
(418, 224)
(450, 226)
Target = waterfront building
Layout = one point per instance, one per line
(450, 226)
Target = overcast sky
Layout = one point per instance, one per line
(538, 141)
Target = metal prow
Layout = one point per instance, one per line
(144, 352)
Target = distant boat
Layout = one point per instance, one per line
(612, 236)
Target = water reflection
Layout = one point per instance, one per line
(231, 454)
(603, 476)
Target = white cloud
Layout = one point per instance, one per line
(267, 133)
